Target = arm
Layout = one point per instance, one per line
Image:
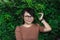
(18, 34)
(46, 26)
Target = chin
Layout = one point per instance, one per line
(29, 22)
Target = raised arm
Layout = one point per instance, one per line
(46, 27)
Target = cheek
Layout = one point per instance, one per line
(32, 19)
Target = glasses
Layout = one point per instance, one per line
(28, 16)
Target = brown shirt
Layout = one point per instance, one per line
(31, 33)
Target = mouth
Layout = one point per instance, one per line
(29, 21)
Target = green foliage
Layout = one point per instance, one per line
(10, 11)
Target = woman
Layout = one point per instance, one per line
(30, 30)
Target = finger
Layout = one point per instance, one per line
(41, 15)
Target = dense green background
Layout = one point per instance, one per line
(10, 11)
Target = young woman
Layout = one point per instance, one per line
(29, 30)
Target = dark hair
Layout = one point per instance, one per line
(30, 11)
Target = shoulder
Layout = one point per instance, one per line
(18, 28)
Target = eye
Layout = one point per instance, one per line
(27, 16)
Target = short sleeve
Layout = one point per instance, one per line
(41, 28)
(18, 34)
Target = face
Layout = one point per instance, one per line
(28, 18)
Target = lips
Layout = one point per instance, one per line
(29, 21)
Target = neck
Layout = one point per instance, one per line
(28, 23)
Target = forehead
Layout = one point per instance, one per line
(26, 13)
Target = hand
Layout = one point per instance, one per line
(41, 16)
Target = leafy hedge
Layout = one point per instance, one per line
(10, 11)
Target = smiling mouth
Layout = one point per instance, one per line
(28, 21)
